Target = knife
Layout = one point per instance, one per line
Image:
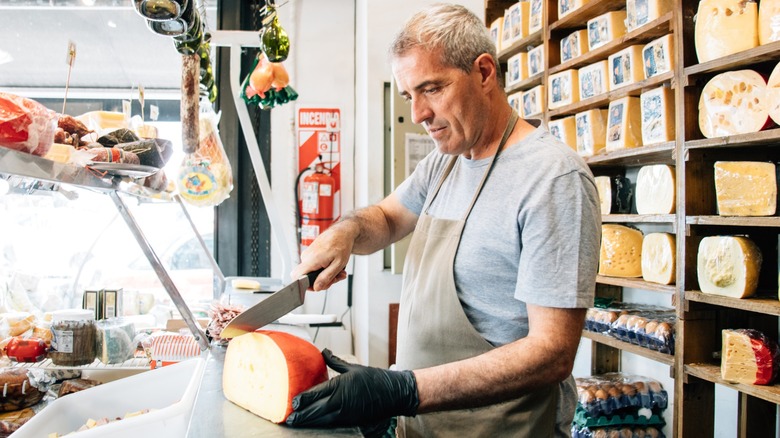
(270, 309)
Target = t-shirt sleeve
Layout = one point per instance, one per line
(414, 189)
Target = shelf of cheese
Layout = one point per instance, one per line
(770, 137)
(635, 283)
(711, 373)
(520, 45)
(577, 19)
(666, 359)
(525, 84)
(766, 221)
(662, 153)
(639, 218)
(750, 57)
(47, 364)
(757, 304)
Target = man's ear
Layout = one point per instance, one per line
(487, 69)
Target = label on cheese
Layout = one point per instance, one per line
(728, 266)
(641, 12)
(518, 22)
(624, 127)
(621, 251)
(574, 45)
(564, 89)
(594, 79)
(625, 67)
(506, 30)
(734, 102)
(605, 28)
(536, 60)
(657, 115)
(658, 258)
(773, 94)
(655, 189)
(768, 21)
(565, 130)
(591, 131)
(516, 101)
(745, 188)
(533, 102)
(724, 27)
(749, 356)
(615, 194)
(517, 68)
(495, 32)
(535, 16)
(658, 56)
(566, 7)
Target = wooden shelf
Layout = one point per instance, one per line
(519, 45)
(578, 19)
(765, 305)
(770, 138)
(636, 283)
(666, 359)
(662, 153)
(766, 221)
(525, 84)
(711, 373)
(638, 218)
(765, 53)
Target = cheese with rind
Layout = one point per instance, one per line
(773, 94)
(655, 189)
(591, 131)
(724, 27)
(615, 194)
(593, 79)
(574, 45)
(534, 102)
(565, 130)
(621, 251)
(495, 32)
(536, 60)
(748, 356)
(768, 21)
(658, 56)
(516, 101)
(728, 266)
(566, 7)
(641, 12)
(745, 188)
(624, 127)
(535, 16)
(657, 115)
(605, 28)
(625, 67)
(564, 89)
(518, 27)
(658, 258)
(517, 68)
(734, 102)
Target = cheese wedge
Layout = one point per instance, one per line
(536, 60)
(724, 27)
(564, 130)
(564, 89)
(517, 68)
(773, 94)
(745, 188)
(593, 79)
(749, 357)
(615, 194)
(658, 56)
(535, 16)
(655, 189)
(533, 102)
(621, 251)
(728, 266)
(566, 7)
(591, 131)
(641, 12)
(574, 45)
(657, 115)
(768, 21)
(605, 28)
(625, 67)
(734, 102)
(658, 258)
(624, 127)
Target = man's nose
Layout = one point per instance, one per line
(421, 111)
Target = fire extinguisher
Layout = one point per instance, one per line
(315, 204)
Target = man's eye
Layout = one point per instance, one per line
(432, 90)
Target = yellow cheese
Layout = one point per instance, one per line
(724, 27)
(604, 189)
(624, 127)
(146, 131)
(728, 266)
(657, 115)
(768, 21)
(533, 102)
(605, 28)
(773, 94)
(104, 121)
(658, 56)
(734, 102)
(517, 68)
(495, 32)
(594, 79)
(518, 14)
(745, 188)
(658, 258)
(591, 131)
(566, 7)
(655, 189)
(515, 101)
(535, 16)
(506, 30)
(245, 283)
(641, 12)
(59, 152)
(574, 45)
(565, 130)
(625, 67)
(536, 60)
(738, 358)
(621, 251)
(564, 89)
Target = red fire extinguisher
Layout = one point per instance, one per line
(316, 204)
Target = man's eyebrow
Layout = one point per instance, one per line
(420, 86)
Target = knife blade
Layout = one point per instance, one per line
(270, 309)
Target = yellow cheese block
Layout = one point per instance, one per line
(641, 12)
(604, 189)
(533, 102)
(60, 153)
(535, 16)
(605, 28)
(728, 266)
(624, 127)
(495, 32)
(738, 362)
(564, 89)
(773, 94)
(591, 131)
(506, 30)
(745, 188)
(625, 67)
(536, 60)
(658, 56)
(655, 189)
(658, 258)
(518, 13)
(768, 21)
(574, 45)
(621, 251)
(516, 101)
(657, 115)
(724, 27)
(517, 68)
(734, 102)
(565, 130)
(566, 7)
(594, 79)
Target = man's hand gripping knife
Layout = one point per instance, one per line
(359, 396)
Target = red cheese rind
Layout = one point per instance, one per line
(767, 355)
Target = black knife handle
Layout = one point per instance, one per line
(313, 276)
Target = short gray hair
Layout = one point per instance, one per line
(454, 29)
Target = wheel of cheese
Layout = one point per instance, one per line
(745, 188)
(768, 21)
(728, 266)
(658, 258)
(748, 357)
(734, 102)
(724, 27)
(264, 370)
(655, 190)
(773, 93)
(621, 251)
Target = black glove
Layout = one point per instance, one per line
(360, 396)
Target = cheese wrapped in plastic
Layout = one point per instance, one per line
(516, 101)
(535, 16)
(533, 102)
(768, 21)
(625, 67)
(495, 32)
(564, 130)
(591, 131)
(536, 60)
(605, 28)
(574, 45)
(657, 115)
(518, 28)
(658, 56)
(773, 94)
(728, 266)
(750, 357)
(658, 258)
(745, 188)
(615, 194)
(517, 68)
(564, 89)
(724, 27)
(624, 127)
(593, 79)
(566, 7)
(26, 125)
(641, 12)
(734, 102)
(621, 251)
(655, 189)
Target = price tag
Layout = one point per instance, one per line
(154, 112)
(71, 58)
(126, 109)
(141, 99)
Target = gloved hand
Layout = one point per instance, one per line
(360, 396)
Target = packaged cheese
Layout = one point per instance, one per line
(564, 89)
(535, 16)
(516, 101)
(728, 266)
(565, 130)
(749, 357)
(536, 60)
(624, 127)
(658, 258)
(495, 32)
(605, 28)
(621, 251)
(641, 12)
(533, 102)
(734, 102)
(658, 56)
(625, 67)
(724, 27)
(615, 194)
(517, 68)
(745, 188)
(574, 45)
(566, 7)
(517, 14)
(506, 30)
(773, 94)
(655, 189)
(657, 115)
(594, 79)
(768, 21)
(591, 131)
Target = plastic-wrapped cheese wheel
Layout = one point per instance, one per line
(728, 266)
(655, 189)
(724, 27)
(621, 251)
(658, 256)
(733, 102)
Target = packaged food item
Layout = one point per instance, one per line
(26, 125)
(615, 194)
(621, 251)
(25, 349)
(75, 385)
(750, 357)
(617, 432)
(115, 340)
(745, 188)
(166, 348)
(73, 337)
(605, 394)
(18, 392)
(728, 266)
(651, 328)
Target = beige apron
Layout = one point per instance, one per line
(433, 329)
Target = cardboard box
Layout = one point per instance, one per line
(91, 301)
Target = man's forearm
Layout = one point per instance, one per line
(371, 229)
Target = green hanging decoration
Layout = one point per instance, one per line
(274, 41)
(268, 84)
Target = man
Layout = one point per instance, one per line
(501, 266)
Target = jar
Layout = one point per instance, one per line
(73, 337)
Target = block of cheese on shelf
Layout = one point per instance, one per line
(564, 89)
(624, 124)
(534, 102)
(745, 188)
(658, 258)
(536, 60)
(641, 12)
(768, 21)
(516, 101)
(495, 32)
(535, 16)
(506, 25)
(574, 45)
(734, 102)
(516, 68)
(773, 94)
(728, 266)
(564, 130)
(658, 56)
(605, 28)
(655, 189)
(591, 131)
(566, 7)
(724, 27)
(625, 67)
(749, 356)
(657, 115)
(621, 251)
(518, 14)
(594, 79)
(615, 194)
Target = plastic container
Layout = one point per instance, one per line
(169, 392)
(73, 337)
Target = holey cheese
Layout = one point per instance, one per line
(745, 188)
(734, 102)
(655, 189)
(566, 7)
(564, 130)
(574, 45)
(625, 67)
(657, 115)
(533, 102)
(624, 127)
(724, 27)
(621, 251)
(594, 79)
(591, 131)
(605, 28)
(641, 12)
(749, 357)
(768, 21)
(564, 89)
(517, 68)
(658, 258)
(615, 194)
(535, 16)
(658, 56)
(728, 266)
(773, 94)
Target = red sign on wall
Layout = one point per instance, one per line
(319, 141)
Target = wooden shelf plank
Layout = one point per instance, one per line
(526, 84)
(578, 18)
(767, 52)
(765, 305)
(662, 153)
(666, 359)
(636, 283)
(766, 221)
(520, 45)
(711, 373)
(639, 218)
(770, 137)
